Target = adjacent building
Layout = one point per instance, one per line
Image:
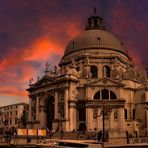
(94, 75)
(10, 115)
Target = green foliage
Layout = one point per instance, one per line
(24, 117)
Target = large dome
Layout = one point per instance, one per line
(95, 37)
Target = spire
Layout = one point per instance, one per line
(95, 22)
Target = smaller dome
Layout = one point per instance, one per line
(95, 39)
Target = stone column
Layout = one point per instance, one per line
(66, 103)
(43, 117)
(99, 119)
(66, 109)
(147, 118)
(56, 105)
(72, 116)
(146, 95)
(121, 118)
(37, 108)
(30, 109)
(89, 118)
(111, 120)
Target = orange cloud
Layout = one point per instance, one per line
(42, 49)
(12, 91)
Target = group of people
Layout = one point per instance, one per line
(9, 134)
(51, 132)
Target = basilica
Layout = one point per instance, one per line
(95, 86)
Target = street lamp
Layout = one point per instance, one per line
(106, 112)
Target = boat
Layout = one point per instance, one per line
(54, 143)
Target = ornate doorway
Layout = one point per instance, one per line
(82, 116)
(50, 112)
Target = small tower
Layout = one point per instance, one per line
(95, 22)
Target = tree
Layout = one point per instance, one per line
(24, 117)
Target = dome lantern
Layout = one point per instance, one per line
(95, 22)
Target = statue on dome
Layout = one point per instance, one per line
(87, 72)
(104, 72)
(87, 60)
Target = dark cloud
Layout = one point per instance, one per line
(33, 32)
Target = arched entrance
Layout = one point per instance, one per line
(82, 119)
(50, 112)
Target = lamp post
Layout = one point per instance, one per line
(106, 112)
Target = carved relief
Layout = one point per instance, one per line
(71, 70)
(133, 74)
(116, 72)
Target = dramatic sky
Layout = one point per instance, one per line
(33, 32)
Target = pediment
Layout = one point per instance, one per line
(104, 82)
(43, 82)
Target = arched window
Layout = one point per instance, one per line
(105, 94)
(112, 95)
(106, 71)
(125, 113)
(97, 95)
(94, 71)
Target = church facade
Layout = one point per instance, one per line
(95, 76)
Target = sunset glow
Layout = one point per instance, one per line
(33, 32)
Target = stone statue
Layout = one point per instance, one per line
(87, 72)
(104, 71)
(51, 73)
(30, 81)
(73, 64)
(116, 72)
(87, 60)
(56, 71)
(47, 68)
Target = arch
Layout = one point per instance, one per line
(50, 111)
(97, 95)
(106, 71)
(105, 94)
(112, 95)
(94, 71)
(125, 113)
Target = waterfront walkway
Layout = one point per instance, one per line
(21, 142)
